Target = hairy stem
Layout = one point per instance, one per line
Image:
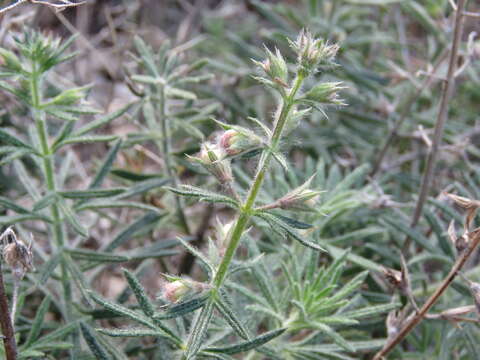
(248, 207)
(474, 241)
(5, 323)
(263, 165)
(441, 119)
(49, 173)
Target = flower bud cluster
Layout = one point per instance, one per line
(301, 199)
(313, 52)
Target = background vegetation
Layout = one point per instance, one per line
(94, 133)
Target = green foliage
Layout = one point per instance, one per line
(303, 258)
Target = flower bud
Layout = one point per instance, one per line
(301, 198)
(174, 291)
(10, 61)
(325, 93)
(275, 67)
(222, 233)
(238, 140)
(179, 288)
(211, 157)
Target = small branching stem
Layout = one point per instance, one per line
(16, 286)
(441, 119)
(263, 165)
(410, 325)
(166, 146)
(6, 323)
(49, 173)
(247, 209)
(406, 109)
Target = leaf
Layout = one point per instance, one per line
(371, 310)
(26, 180)
(14, 155)
(48, 268)
(122, 311)
(129, 332)
(203, 195)
(248, 345)
(85, 140)
(59, 333)
(102, 204)
(197, 333)
(140, 295)
(105, 168)
(49, 199)
(8, 204)
(9, 139)
(139, 225)
(412, 233)
(198, 255)
(179, 93)
(142, 187)
(92, 193)
(36, 327)
(230, 316)
(294, 223)
(279, 225)
(71, 218)
(95, 346)
(95, 255)
(327, 330)
(134, 176)
(184, 307)
(102, 121)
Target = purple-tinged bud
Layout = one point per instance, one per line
(275, 67)
(238, 140)
(176, 290)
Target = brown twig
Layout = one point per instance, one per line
(441, 119)
(407, 107)
(6, 324)
(475, 240)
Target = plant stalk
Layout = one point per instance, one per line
(166, 147)
(475, 240)
(49, 172)
(263, 165)
(6, 324)
(441, 119)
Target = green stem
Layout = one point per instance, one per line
(240, 225)
(166, 147)
(49, 173)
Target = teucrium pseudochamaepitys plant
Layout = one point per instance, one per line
(309, 307)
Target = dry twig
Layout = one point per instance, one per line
(441, 119)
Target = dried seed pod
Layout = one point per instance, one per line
(394, 278)
(17, 255)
